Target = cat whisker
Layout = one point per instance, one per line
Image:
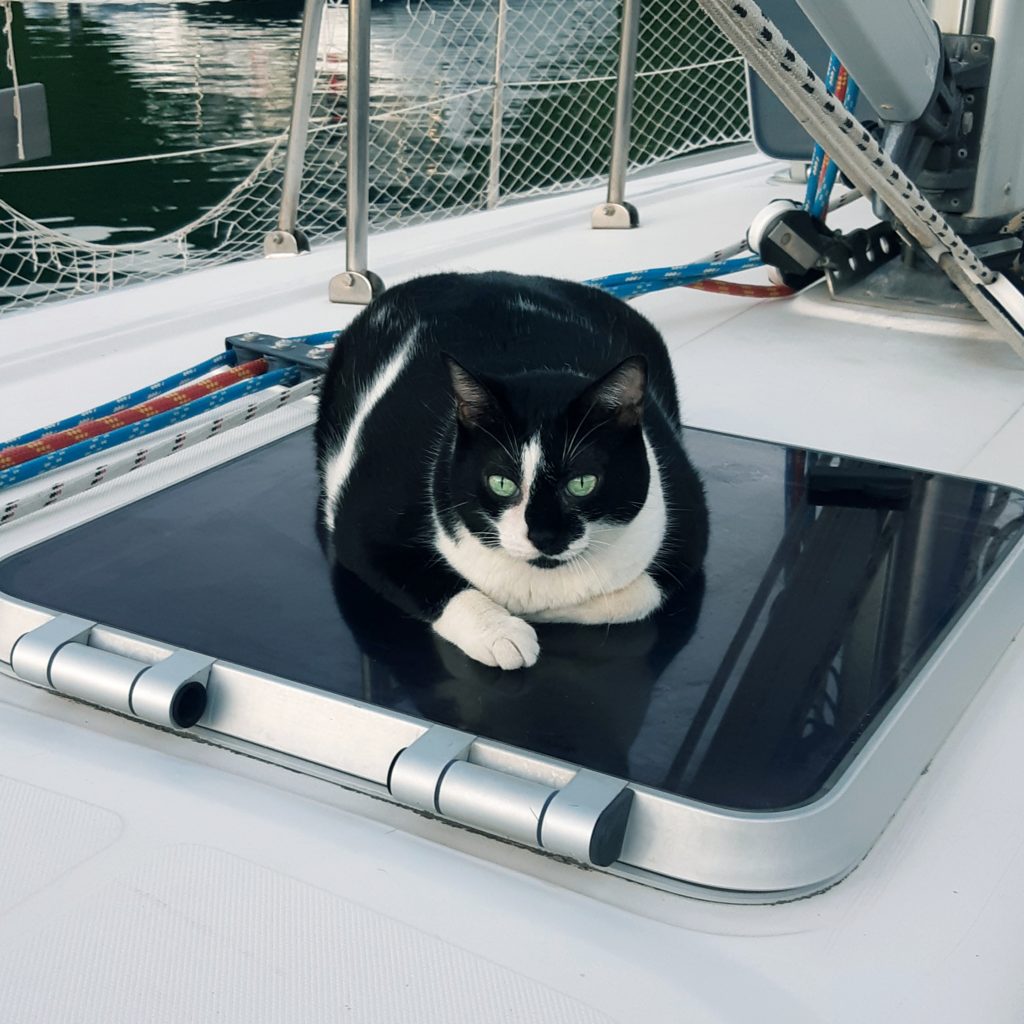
(443, 509)
(579, 427)
(512, 458)
(660, 565)
(577, 446)
(600, 586)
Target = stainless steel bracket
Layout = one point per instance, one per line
(354, 287)
(170, 692)
(285, 243)
(615, 215)
(586, 819)
(615, 212)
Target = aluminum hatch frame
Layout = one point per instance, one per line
(667, 841)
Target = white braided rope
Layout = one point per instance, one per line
(847, 141)
(28, 498)
(728, 251)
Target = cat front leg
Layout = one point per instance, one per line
(630, 603)
(487, 632)
(411, 577)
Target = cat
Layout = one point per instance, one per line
(496, 449)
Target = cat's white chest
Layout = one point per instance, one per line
(617, 555)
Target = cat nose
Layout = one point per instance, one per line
(547, 541)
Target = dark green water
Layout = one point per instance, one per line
(125, 80)
(131, 79)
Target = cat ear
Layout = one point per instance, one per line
(472, 400)
(621, 391)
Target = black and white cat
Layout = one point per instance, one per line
(495, 449)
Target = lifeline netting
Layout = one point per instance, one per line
(544, 75)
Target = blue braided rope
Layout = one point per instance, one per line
(133, 398)
(831, 77)
(318, 339)
(228, 358)
(821, 197)
(642, 282)
(34, 467)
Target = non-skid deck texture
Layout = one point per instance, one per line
(827, 583)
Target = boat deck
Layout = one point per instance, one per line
(172, 880)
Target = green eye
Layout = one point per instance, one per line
(502, 486)
(581, 486)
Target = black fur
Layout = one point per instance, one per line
(484, 377)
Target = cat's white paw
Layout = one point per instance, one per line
(487, 632)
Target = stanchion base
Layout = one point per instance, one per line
(285, 243)
(615, 215)
(355, 288)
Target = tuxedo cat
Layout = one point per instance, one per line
(495, 449)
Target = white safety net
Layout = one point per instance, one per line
(473, 103)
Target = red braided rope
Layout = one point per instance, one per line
(747, 291)
(91, 428)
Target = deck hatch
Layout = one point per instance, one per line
(768, 724)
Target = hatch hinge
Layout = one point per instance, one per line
(170, 692)
(586, 819)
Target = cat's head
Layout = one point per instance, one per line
(544, 461)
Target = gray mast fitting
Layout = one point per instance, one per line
(287, 239)
(999, 185)
(357, 285)
(615, 212)
(966, 26)
(890, 49)
(759, 40)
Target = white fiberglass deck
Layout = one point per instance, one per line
(146, 876)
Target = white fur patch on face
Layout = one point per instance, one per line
(513, 533)
(615, 556)
(487, 632)
(338, 462)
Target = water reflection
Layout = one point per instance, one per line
(127, 79)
